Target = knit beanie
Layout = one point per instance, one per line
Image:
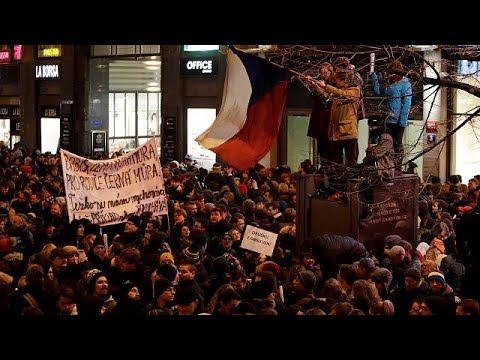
(436, 275)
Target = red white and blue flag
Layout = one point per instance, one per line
(249, 119)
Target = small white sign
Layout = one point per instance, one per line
(259, 240)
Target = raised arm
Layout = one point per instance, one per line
(376, 84)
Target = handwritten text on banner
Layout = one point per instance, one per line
(107, 191)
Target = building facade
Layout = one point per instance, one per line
(102, 99)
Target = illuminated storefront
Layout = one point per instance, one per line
(125, 97)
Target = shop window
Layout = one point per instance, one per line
(133, 119)
(125, 99)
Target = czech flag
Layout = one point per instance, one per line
(249, 119)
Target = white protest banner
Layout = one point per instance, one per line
(107, 191)
(259, 240)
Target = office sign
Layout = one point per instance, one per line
(47, 72)
(204, 65)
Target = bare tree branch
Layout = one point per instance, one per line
(470, 117)
(447, 81)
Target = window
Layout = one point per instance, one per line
(133, 119)
(200, 47)
(112, 50)
(125, 98)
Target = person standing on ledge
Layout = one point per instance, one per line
(398, 103)
(320, 116)
(342, 130)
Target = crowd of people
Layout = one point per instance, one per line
(191, 261)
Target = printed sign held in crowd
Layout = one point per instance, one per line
(107, 191)
(259, 240)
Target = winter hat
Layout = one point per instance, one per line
(189, 255)
(157, 238)
(70, 250)
(382, 275)
(92, 277)
(367, 263)
(160, 286)
(125, 287)
(392, 240)
(243, 189)
(87, 266)
(221, 265)
(167, 271)
(165, 257)
(135, 220)
(98, 241)
(50, 199)
(216, 167)
(307, 279)
(31, 216)
(189, 157)
(436, 275)
(413, 273)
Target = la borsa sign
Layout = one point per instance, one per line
(47, 71)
